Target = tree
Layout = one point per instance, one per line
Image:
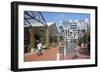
(85, 39)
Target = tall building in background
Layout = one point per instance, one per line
(71, 30)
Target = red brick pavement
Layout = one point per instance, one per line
(49, 54)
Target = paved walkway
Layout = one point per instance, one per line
(48, 55)
(51, 54)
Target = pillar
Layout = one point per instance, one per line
(31, 39)
(47, 35)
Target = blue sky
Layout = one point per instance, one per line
(58, 16)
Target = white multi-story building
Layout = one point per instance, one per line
(73, 29)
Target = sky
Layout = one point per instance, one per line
(58, 16)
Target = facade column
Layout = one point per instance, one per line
(47, 35)
(31, 40)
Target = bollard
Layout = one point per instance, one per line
(58, 56)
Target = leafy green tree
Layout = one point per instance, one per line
(84, 39)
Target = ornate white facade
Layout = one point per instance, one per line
(73, 29)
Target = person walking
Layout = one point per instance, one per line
(39, 46)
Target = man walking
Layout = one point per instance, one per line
(39, 46)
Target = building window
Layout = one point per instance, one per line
(66, 31)
(62, 30)
(60, 27)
